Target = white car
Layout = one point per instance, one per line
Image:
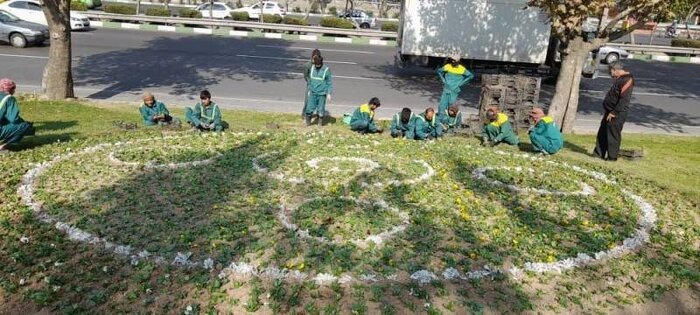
(268, 7)
(219, 10)
(29, 10)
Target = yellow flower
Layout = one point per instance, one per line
(301, 266)
(515, 242)
(550, 258)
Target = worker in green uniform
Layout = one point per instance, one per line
(362, 119)
(545, 135)
(426, 126)
(402, 122)
(12, 127)
(498, 129)
(307, 71)
(453, 76)
(451, 120)
(320, 89)
(206, 115)
(154, 113)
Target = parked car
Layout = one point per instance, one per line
(219, 10)
(30, 10)
(21, 33)
(607, 54)
(269, 7)
(359, 18)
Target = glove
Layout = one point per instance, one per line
(212, 126)
(203, 125)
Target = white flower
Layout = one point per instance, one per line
(24, 240)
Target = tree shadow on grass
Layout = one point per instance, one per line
(203, 210)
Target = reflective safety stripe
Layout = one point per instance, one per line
(364, 108)
(458, 70)
(547, 119)
(203, 111)
(314, 77)
(4, 100)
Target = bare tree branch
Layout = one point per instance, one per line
(626, 13)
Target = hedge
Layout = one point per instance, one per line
(390, 26)
(270, 18)
(684, 42)
(294, 21)
(78, 6)
(189, 13)
(120, 9)
(240, 16)
(157, 12)
(336, 23)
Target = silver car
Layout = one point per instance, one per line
(360, 18)
(609, 54)
(21, 33)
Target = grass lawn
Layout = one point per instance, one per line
(276, 218)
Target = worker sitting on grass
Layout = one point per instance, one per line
(320, 87)
(453, 76)
(545, 135)
(12, 127)
(402, 123)
(154, 113)
(206, 115)
(426, 126)
(362, 119)
(498, 129)
(451, 120)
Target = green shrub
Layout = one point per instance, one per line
(78, 6)
(336, 22)
(294, 21)
(390, 26)
(684, 42)
(272, 18)
(297, 10)
(120, 9)
(157, 12)
(333, 11)
(189, 13)
(240, 16)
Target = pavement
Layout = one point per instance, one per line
(266, 75)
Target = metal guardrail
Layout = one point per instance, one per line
(239, 24)
(657, 49)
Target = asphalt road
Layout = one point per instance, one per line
(266, 75)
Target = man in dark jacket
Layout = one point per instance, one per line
(616, 106)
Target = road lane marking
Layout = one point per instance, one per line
(24, 56)
(295, 59)
(310, 48)
(647, 94)
(301, 74)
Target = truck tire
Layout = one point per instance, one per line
(18, 40)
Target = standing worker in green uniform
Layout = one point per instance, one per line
(498, 129)
(545, 135)
(402, 123)
(362, 119)
(206, 115)
(426, 126)
(307, 71)
(451, 120)
(320, 89)
(12, 127)
(453, 76)
(155, 113)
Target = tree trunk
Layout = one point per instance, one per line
(565, 101)
(57, 81)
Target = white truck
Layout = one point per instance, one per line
(486, 33)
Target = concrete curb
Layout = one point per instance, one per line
(235, 33)
(664, 58)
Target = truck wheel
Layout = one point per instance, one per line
(18, 40)
(364, 25)
(612, 57)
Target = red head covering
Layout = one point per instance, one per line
(7, 85)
